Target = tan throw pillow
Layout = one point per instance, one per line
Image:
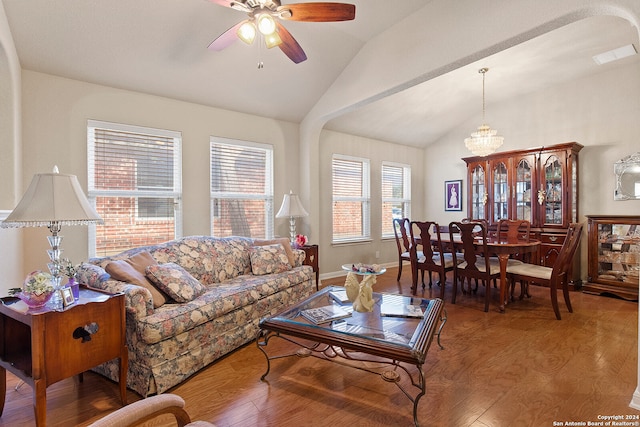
(285, 244)
(175, 281)
(269, 259)
(132, 270)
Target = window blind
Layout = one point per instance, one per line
(241, 189)
(135, 182)
(351, 200)
(396, 195)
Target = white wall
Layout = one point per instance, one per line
(333, 256)
(55, 114)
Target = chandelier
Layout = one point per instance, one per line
(484, 141)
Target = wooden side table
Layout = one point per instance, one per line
(311, 259)
(44, 346)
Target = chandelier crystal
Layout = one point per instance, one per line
(485, 140)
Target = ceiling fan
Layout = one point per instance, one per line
(264, 16)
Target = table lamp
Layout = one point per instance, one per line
(292, 208)
(53, 200)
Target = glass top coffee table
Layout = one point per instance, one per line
(396, 335)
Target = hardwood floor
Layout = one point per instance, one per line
(521, 368)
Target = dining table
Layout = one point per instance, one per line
(503, 249)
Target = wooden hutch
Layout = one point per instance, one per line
(537, 184)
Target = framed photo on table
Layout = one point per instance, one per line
(453, 195)
(67, 297)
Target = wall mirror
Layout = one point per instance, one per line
(627, 171)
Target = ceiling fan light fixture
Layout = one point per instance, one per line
(247, 32)
(272, 40)
(266, 24)
(485, 141)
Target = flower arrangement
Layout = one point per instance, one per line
(38, 283)
(300, 241)
(67, 268)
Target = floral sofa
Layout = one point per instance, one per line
(207, 297)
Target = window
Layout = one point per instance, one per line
(135, 183)
(241, 189)
(396, 195)
(350, 179)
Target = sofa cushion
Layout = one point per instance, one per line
(209, 259)
(269, 259)
(286, 244)
(240, 293)
(133, 270)
(175, 281)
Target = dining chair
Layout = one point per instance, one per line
(554, 277)
(490, 230)
(401, 227)
(514, 229)
(475, 265)
(434, 259)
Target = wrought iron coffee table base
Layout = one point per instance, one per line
(388, 369)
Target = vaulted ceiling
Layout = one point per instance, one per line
(159, 47)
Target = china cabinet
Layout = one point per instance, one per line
(537, 184)
(614, 256)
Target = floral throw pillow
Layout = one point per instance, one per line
(91, 275)
(175, 281)
(269, 259)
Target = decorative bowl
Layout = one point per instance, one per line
(34, 300)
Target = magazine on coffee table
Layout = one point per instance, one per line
(339, 296)
(325, 314)
(401, 310)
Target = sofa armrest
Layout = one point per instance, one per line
(137, 300)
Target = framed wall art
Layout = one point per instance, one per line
(453, 195)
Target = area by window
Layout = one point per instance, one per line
(241, 188)
(396, 195)
(135, 183)
(351, 199)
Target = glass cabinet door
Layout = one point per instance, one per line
(551, 195)
(500, 192)
(523, 189)
(478, 192)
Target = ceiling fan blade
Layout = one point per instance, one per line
(290, 46)
(226, 38)
(226, 3)
(318, 12)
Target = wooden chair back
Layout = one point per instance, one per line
(567, 252)
(473, 236)
(430, 242)
(432, 257)
(401, 227)
(482, 221)
(513, 230)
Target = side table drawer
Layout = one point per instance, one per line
(82, 337)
